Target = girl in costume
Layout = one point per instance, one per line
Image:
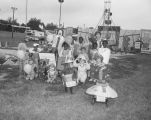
(96, 68)
(67, 75)
(32, 74)
(64, 53)
(35, 56)
(82, 65)
(52, 73)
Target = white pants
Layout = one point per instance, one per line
(82, 76)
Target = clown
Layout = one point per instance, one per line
(57, 43)
(82, 65)
(51, 73)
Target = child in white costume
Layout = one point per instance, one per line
(32, 74)
(82, 66)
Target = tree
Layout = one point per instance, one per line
(51, 26)
(34, 24)
(23, 25)
(10, 21)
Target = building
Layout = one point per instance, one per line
(146, 39)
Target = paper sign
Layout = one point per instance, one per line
(49, 56)
(137, 45)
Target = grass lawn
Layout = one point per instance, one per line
(37, 100)
(13, 42)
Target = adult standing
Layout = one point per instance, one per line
(105, 52)
(98, 38)
(125, 44)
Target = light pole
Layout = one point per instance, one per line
(60, 1)
(13, 9)
(0, 11)
(26, 12)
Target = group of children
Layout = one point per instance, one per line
(86, 62)
(76, 61)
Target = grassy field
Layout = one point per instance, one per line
(37, 100)
(13, 42)
(7, 36)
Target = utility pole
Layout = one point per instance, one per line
(13, 9)
(60, 1)
(26, 12)
(0, 11)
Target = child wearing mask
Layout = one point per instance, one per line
(82, 65)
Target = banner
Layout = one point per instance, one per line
(49, 56)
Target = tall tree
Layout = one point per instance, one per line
(10, 21)
(34, 24)
(51, 26)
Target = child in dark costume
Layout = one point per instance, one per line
(67, 75)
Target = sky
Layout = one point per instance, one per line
(129, 14)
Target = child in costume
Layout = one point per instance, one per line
(52, 73)
(94, 50)
(84, 53)
(102, 90)
(35, 55)
(96, 68)
(82, 65)
(33, 72)
(67, 75)
(64, 53)
(22, 47)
